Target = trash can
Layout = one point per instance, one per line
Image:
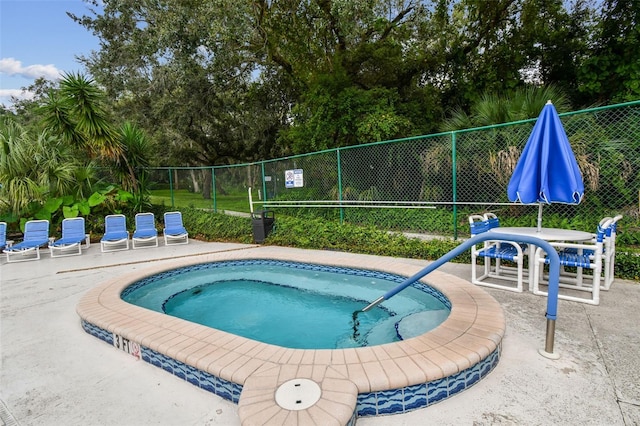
(262, 224)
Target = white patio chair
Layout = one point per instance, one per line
(608, 254)
(578, 255)
(495, 274)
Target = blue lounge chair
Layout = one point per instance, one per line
(116, 236)
(145, 234)
(174, 231)
(36, 235)
(3, 235)
(73, 235)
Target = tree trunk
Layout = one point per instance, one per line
(206, 184)
(196, 184)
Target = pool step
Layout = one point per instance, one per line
(280, 395)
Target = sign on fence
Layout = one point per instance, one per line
(293, 178)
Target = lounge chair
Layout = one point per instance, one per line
(116, 236)
(145, 234)
(73, 235)
(174, 231)
(3, 235)
(36, 235)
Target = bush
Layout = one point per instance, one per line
(320, 234)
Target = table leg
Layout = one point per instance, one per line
(532, 265)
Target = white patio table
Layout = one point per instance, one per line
(546, 234)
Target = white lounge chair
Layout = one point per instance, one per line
(116, 236)
(174, 231)
(3, 235)
(36, 235)
(73, 235)
(145, 234)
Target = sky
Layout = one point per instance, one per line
(38, 39)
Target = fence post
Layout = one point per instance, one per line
(264, 183)
(340, 185)
(455, 185)
(171, 188)
(213, 189)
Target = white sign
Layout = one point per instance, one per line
(126, 345)
(293, 178)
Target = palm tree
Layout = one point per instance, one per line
(522, 104)
(131, 168)
(77, 114)
(32, 168)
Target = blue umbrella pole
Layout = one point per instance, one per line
(554, 276)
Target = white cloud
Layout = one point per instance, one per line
(13, 67)
(17, 93)
(7, 94)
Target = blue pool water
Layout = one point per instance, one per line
(290, 304)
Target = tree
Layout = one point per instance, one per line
(194, 67)
(554, 41)
(612, 70)
(520, 104)
(182, 73)
(75, 111)
(216, 82)
(33, 168)
(54, 143)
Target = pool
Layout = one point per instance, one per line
(295, 305)
(333, 385)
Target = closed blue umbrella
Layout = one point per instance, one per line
(547, 171)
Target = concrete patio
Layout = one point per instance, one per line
(54, 373)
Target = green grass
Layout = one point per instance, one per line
(184, 198)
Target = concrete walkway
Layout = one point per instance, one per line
(53, 373)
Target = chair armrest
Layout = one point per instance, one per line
(517, 246)
(584, 246)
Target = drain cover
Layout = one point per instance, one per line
(298, 394)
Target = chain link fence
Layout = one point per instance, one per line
(427, 184)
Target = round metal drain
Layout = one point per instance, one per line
(298, 394)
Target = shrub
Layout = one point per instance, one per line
(321, 234)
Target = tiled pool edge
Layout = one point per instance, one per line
(223, 388)
(414, 397)
(389, 378)
(394, 401)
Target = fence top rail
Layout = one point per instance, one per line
(338, 206)
(296, 203)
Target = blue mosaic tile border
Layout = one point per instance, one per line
(98, 332)
(296, 265)
(424, 395)
(394, 401)
(223, 388)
